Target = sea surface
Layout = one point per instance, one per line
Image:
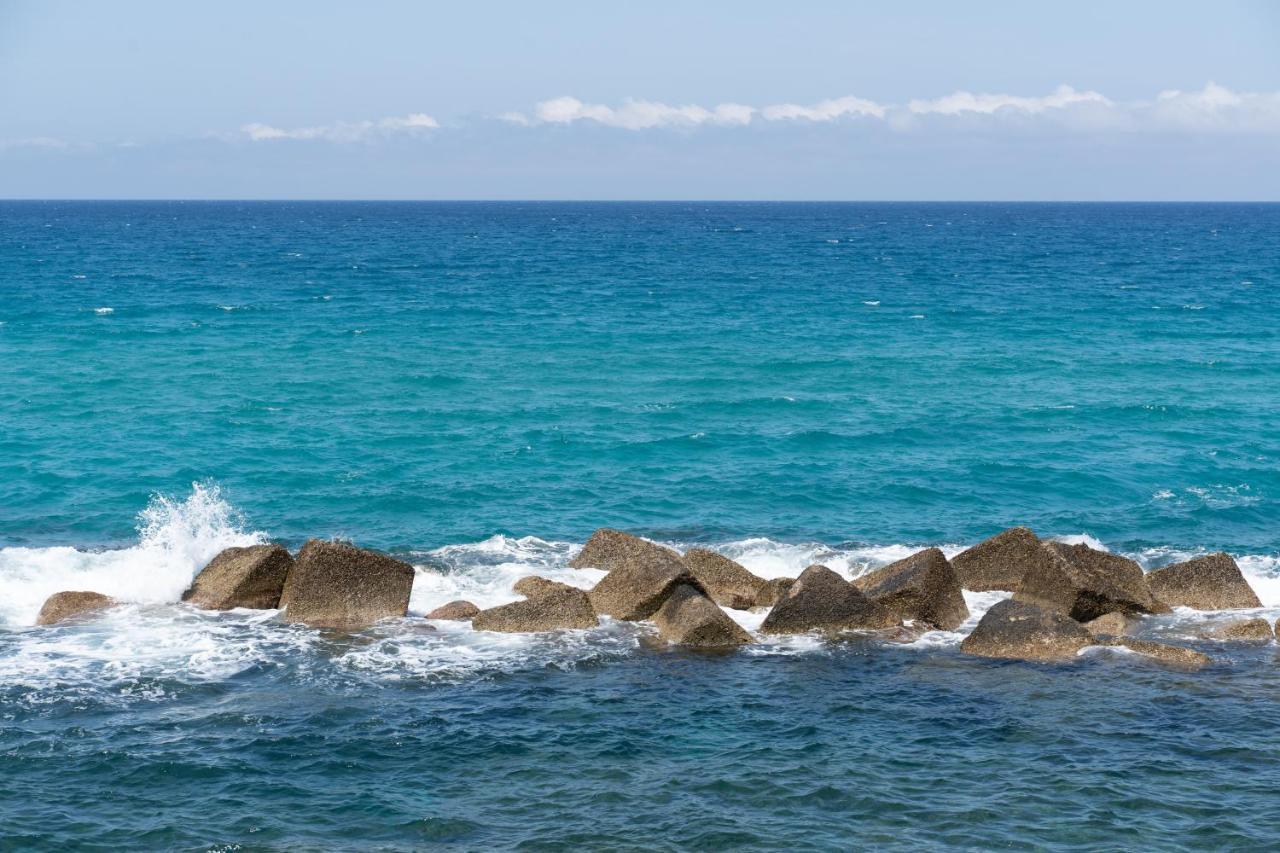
(475, 387)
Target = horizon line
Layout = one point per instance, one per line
(542, 200)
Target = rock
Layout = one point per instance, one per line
(550, 610)
(607, 549)
(727, 582)
(454, 611)
(1022, 631)
(1213, 582)
(822, 599)
(1109, 625)
(999, 562)
(1082, 583)
(921, 588)
(64, 605)
(336, 585)
(533, 586)
(1174, 655)
(636, 588)
(690, 618)
(1241, 631)
(773, 591)
(241, 577)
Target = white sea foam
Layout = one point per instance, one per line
(104, 310)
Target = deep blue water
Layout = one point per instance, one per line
(477, 386)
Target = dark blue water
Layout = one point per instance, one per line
(478, 386)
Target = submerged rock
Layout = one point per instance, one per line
(555, 606)
(1022, 631)
(1109, 625)
(773, 591)
(821, 599)
(922, 588)
(1174, 655)
(1212, 582)
(728, 583)
(454, 611)
(690, 618)
(1241, 631)
(608, 549)
(336, 585)
(1000, 562)
(241, 577)
(65, 605)
(1082, 583)
(636, 588)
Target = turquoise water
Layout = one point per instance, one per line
(477, 386)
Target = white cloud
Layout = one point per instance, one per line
(639, 115)
(343, 131)
(35, 142)
(825, 110)
(988, 104)
(1214, 108)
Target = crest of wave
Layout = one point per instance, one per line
(176, 537)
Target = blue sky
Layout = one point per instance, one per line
(811, 100)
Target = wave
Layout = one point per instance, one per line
(152, 644)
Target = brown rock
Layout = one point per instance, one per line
(999, 562)
(336, 585)
(454, 611)
(821, 599)
(636, 588)
(550, 610)
(728, 583)
(65, 605)
(607, 549)
(1173, 655)
(921, 588)
(1084, 584)
(533, 586)
(1212, 582)
(1021, 631)
(773, 591)
(690, 618)
(241, 577)
(1241, 631)
(1109, 625)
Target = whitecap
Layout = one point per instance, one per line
(104, 310)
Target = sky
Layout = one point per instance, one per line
(657, 100)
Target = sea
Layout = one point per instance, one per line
(475, 387)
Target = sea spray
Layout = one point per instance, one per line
(176, 537)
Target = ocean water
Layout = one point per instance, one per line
(477, 386)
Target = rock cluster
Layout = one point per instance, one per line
(1064, 597)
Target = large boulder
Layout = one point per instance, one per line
(608, 549)
(1256, 630)
(1173, 655)
(532, 586)
(690, 618)
(1021, 631)
(728, 583)
(553, 607)
(821, 599)
(66, 605)
(336, 585)
(241, 577)
(921, 588)
(454, 611)
(999, 562)
(1083, 583)
(1212, 582)
(636, 588)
